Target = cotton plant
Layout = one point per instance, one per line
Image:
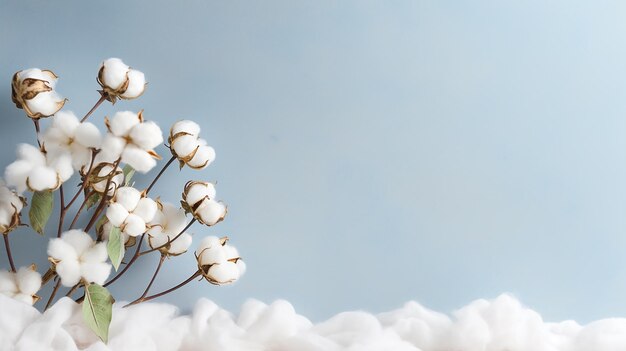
(115, 221)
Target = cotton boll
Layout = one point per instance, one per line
(16, 173)
(137, 158)
(197, 191)
(223, 273)
(114, 73)
(184, 145)
(115, 182)
(97, 272)
(122, 123)
(96, 253)
(88, 135)
(210, 212)
(66, 122)
(210, 242)
(111, 150)
(62, 165)
(134, 225)
(203, 157)
(45, 103)
(78, 239)
(42, 178)
(146, 135)
(231, 252)
(185, 126)
(31, 154)
(136, 85)
(213, 255)
(7, 283)
(28, 280)
(116, 214)
(146, 209)
(69, 271)
(180, 245)
(61, 250)
(128, 197)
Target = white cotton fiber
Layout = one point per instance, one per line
(88, 135)
(47, 103)
(203, 157)
(134, 225)
(146, 209)
(116, 214)
(28, 281)
(128, 197)
(137, 158)
(31, 154)
(69, 271)
(114, 73)
(122, 123)
(136, 85)
(42, 178)
(186, 126)
(146, 135)
(199, 191)
(184, 145)
(210, 211)
(95, 272)
(180, 245)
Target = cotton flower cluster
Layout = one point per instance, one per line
(120, 81)
(219, 262)
(130, 211)
(11, 205)
(132, 139)
(76, 256)
(187, 146)
(199, 199)
(169, 222)
(37, 171)
(67, 135)
(21, 285)
(33, 91)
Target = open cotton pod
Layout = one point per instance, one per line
(198, 199)
(11, 205)
(187, 147)
(33, 91)
(22, 285)
(118, 80)
(218, 262)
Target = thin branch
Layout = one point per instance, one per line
(37, 130)
(160, 173)
(148, 298)
(94, 152)
(73, 290)
(169, 241)
(8, 248)
(156, 272)
(80, 209)
(101, 100)
(62, 211)
(54, 292)
(130, 263)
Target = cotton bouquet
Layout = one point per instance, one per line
(119, 216)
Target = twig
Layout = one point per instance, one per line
(160, 173)
(101, 100)
(8, 248)
(62, 211)
(148, 298)
(54, 292)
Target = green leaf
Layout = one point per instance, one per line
(92, 200)
(129, 172)
(115, 247)
(98, 310)
(40, 209)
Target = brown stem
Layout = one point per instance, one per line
(8, 247)
(61, 211)
(73, 290)
(101, 100)
(148, 298)
(160, 173)
(54, 292)
(38, 130)
(156, 272)
(169, 241)
(130, 263)
(80, 209)
(103, 201)
(94, 152)
(50, 273)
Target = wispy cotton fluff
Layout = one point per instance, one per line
(36, 171)
(199, 200)
(11, 205)
(168, 223)
(22, 285)
(132, 139)
(130, 211)
(76, 256)
(484, 325)
(218, 261)
(33, 90)
(67, 135)
(120, 81)
(187, 146)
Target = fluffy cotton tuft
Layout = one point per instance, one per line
(76, 256)
(33, 91)
(187, 147)
(11, 205)
(131, 139)
(130, 211)
(168, 223)
(67, 135)
(118, 80)
(36, 171)
(198, 198)
(22, 285)
(218, 261)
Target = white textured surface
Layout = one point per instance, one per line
(496, 325)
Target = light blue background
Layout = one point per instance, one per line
(371, 152)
